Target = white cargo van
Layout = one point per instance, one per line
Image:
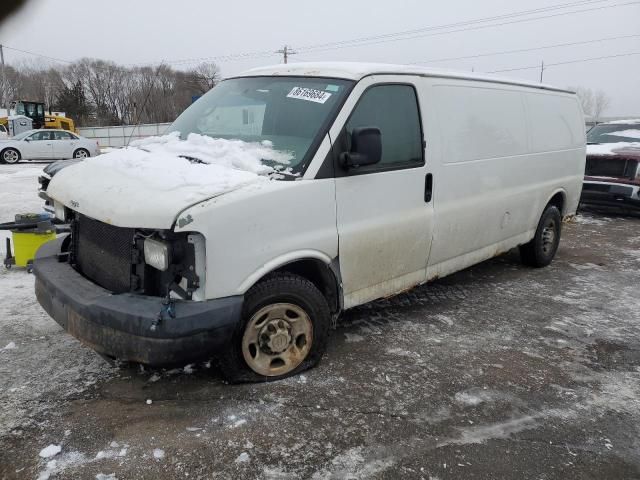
(371, 179)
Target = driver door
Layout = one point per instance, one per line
(384, 215)
(38, 146)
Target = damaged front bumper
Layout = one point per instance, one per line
(126, 326)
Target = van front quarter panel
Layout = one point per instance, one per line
(256, 229)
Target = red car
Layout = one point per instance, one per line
(612, 174)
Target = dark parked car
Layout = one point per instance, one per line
(612, 174)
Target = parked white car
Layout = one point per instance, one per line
(46, 144)
(289, 194)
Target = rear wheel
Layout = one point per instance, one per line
(10, 155)
(284, 331)
(540, 251)
(81, 153)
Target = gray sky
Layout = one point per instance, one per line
(144, 31)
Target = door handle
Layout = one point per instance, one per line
(428, 188)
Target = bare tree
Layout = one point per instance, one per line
(204, 77)
(98, 92)
(601, 102)
(586, 99)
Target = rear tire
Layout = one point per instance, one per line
(10, 156)
(539, 252)
(284, 329)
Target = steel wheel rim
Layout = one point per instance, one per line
(549, 236)
(10, 156)
(81, 154)
(277, 339)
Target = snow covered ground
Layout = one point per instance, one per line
(497, 372)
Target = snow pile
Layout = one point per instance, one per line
(631, 133)
(175, 173)
(199, 166)
(614, 148)
(9, 346)
(234, 154)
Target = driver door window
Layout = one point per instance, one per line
(39, 146)
(394, 110)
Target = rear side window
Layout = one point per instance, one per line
(63, 136)
(394, 110)
(556, 122)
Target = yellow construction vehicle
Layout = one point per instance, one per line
(35, 111)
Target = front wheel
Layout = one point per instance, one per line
(540, 251)
(10, 155)
(81, 153)
(284, 331)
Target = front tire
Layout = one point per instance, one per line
(539, 252)
(284, 330)
(81, 153)
(10, 156)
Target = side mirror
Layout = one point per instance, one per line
(366, 148)
(28, 139)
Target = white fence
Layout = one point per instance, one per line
(121, 135)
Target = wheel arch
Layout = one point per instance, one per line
(559, 199)
(11, 147)
(315, 266)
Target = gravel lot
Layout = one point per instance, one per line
(499, 371)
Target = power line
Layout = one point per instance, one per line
(386, 37)
(382, 38)
(523, 50)
(547, 65)
(456, 24)
(479, 27)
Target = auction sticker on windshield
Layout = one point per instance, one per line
(309, 94)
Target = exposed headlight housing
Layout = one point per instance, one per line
(157, 254)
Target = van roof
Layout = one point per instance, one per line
(357, 71)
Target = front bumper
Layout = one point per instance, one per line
(125, 326)
(608, 199)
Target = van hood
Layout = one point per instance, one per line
(148, 184)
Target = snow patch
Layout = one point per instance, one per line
(242, 458)
(631, 133)
(158, 453)
(353, 337)
(10, 346)
(353, 464)
(614, 148)
(102, 476)
(50, 451)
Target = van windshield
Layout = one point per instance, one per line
(293, 113)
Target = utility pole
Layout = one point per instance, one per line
(4, 88)
(286, 51)
(541, 71)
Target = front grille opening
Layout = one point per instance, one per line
(102, 253)
(113, 258)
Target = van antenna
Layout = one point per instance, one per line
(136, 124)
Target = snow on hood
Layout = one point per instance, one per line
(620, 148)
(147, 184)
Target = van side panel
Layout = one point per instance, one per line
(498, 166)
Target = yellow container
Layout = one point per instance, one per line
(25, 245)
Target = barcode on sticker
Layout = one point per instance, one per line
(309, 94)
